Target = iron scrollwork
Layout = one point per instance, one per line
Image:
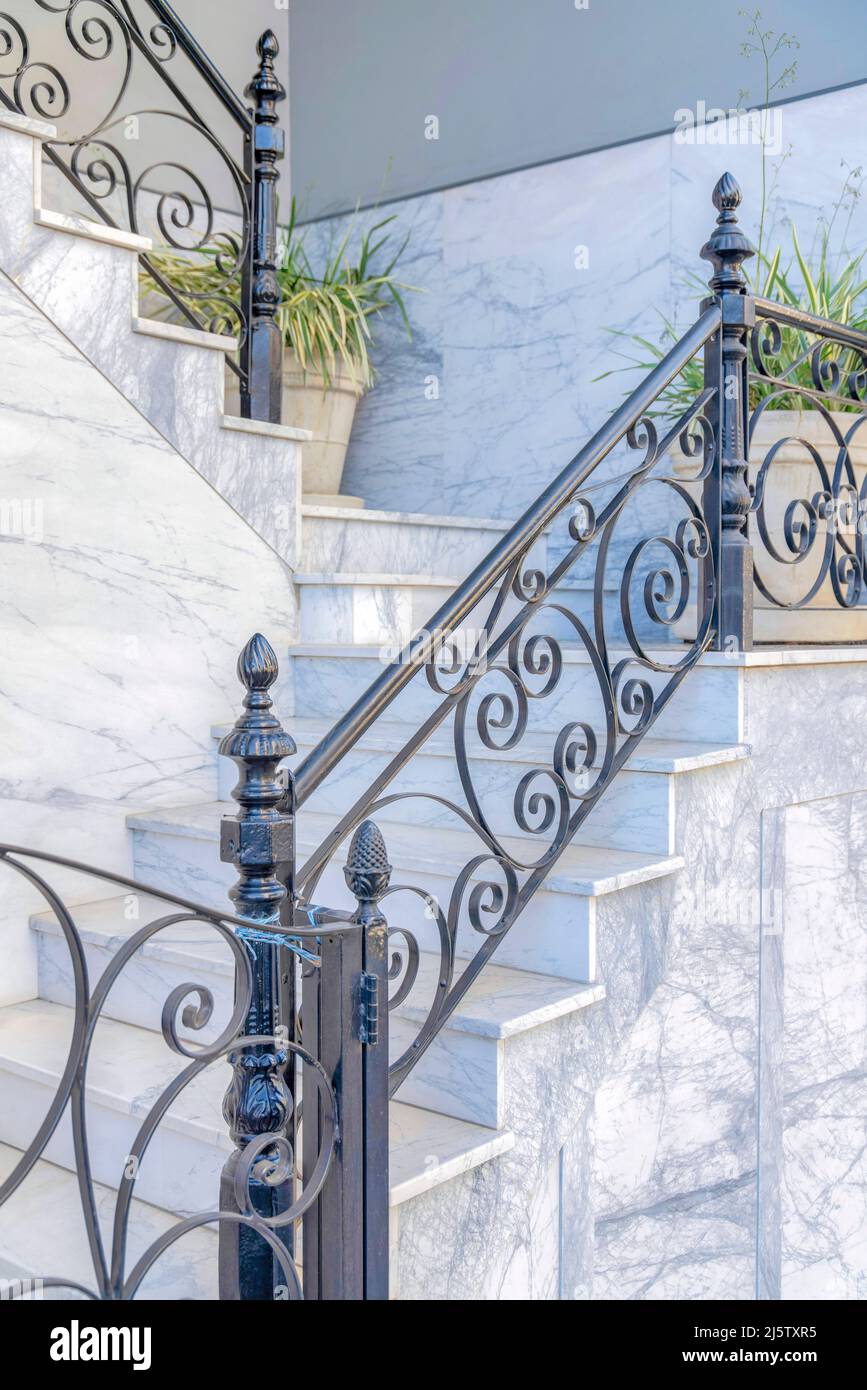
(531, 636)
(189, 1007)
(809, 499)
(201, 208)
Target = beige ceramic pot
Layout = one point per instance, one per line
(328, 412)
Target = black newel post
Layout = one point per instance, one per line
(256, 840)
(263, 350)
(727, 496)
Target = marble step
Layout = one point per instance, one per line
(346, 540)
(636, 812)
(708, 707)
(177, 850)
(130, 1066)
(387, 609)
(42, 1235)
(461, 1074)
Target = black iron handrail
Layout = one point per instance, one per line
(99, 167)
(322, 759)
(199, 58)
(705, 560)
(795, 317)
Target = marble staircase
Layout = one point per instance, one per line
(452, 1115)
(492, 1147)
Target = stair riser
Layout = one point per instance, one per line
(363, 546)
(711, 711)
(461, 1074)
(555, 936)
(635, 813)
(180, 1172)
(390, 614)
(141, 989)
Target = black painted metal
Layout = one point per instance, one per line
(259, 1101)
(821, 540)
(184, 217)
(506, 556)
(261, 388)
(112, 1277)
(727, 497)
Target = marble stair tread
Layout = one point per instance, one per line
(361, 578)
(476, 523)
(500, 1003)
(653, 755)
(42, 1235)
(103, 923)
(130, 1066)
(583, 870)
(572, 651)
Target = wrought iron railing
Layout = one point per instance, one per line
(571, 658)
(808, 534)
(270, 1191)
(142, 108)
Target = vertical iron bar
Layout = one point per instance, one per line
(368, 874)
(726, 494)
(333, 1250)
(258, 1100)
(263, 357)
(345, 1025)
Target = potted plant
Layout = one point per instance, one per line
(830, 286)
(325, 319)
(830, 289)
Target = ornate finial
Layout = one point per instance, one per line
(266, 85)
(259, 837)
(262, 346)
(257, 664)
(367, 870)
(727, 194)
(268, 47)
(727, 247)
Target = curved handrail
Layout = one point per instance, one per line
(322, 759)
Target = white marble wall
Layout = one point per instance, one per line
(85, 278)
(515, 334)
(649, 1102)
(813, 1083)
(128, 587)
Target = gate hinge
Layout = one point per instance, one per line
(368, 1009)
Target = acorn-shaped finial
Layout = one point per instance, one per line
(367, 870)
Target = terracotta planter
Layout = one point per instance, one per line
(327, 412)
(793, 475)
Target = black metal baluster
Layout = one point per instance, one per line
(727, 496)
(368, 874)
(262, 356)
(345, 1012)
(259, 1099)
